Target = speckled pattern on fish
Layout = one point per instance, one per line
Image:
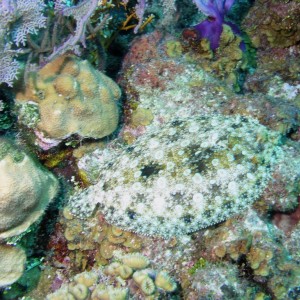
(189, 174)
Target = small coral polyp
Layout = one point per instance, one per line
(192, 173)
(72, 98)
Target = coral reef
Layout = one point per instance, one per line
(180, 83)
(156, 55)
(292, 243)
(6, 118)
(281, 195)
(196, 196)
(212, 28)
(205, 181)
(287, 221)
(217, 262)
(217, 282)
(94, 247)
(40, 31)
(12, 262)
(110, 282)
(109, 256)
(256, 248)
(26, 189)
(228, 62)
(273, 23)
(273, 28)
(71, 98)
(19, 19)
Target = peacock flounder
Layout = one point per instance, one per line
(186, 175)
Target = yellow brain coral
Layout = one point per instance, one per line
(72, 98)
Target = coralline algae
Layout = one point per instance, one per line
(189, 174)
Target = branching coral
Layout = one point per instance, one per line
(81, 13)
(67, 27)
(22, 18)
(18, 19)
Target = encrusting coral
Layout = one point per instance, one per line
(26, 189)
(167, 183)
(279, 29)
(172, 87)
(241, 246)
(71, 97)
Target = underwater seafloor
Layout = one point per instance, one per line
(149, 150)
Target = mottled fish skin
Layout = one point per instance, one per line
(190, 174)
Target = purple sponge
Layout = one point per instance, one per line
(211, 29)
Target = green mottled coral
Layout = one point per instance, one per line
(190, 174)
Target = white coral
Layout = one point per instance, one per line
(29, 18)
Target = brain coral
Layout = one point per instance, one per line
(190, 174)
(25, 190)
(12, 262)
(72, 97)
